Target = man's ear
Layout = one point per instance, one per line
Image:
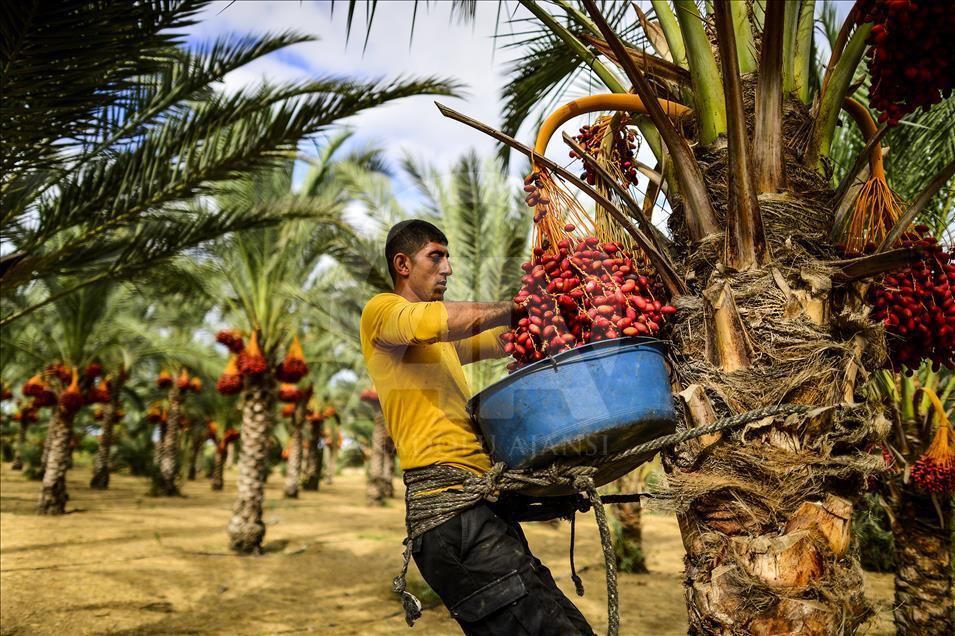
(402, 264)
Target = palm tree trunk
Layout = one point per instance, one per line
(198, 437)
(314, 456)
(332, 460)
(53, 496)
(246, 529)
(376, 465)
(293, 467)
(21, 442)
(230, 456)
(923, 556)
(157, 450)
(169, 448)
(218, 468)
(628, 540)
(100, 479)
(388, 468)
(45, 454)
(765, 515)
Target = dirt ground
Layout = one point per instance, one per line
(125, 563)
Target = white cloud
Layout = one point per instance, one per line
(440, 49)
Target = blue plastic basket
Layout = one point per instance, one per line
(593, 400)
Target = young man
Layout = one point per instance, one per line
(415, 344)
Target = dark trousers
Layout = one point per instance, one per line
(480, 565)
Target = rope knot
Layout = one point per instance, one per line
(486, 485)
(583, 483)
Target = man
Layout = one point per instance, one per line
(414, 344)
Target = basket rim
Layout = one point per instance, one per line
(570, 356)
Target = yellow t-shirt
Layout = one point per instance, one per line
(420, 380)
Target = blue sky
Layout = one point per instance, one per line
(441, 47)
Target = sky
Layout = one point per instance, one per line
(441, 47)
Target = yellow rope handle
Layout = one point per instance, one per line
(595, 103)
(631, 103)
(863, 119)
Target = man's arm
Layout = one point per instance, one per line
(395, 322)
(466, 319)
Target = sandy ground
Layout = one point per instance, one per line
(125, 563)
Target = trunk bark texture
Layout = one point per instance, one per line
(198, 438)
(388, 467)
(218, 469)
(332, 456)
(53, 496)
(157, 450)
(376, 465)
(924, 604)
(246, 529)
(314, 456)
(628, 542)
(44, 455)
(293, 467)
(169, 448)
(100, 479)
(21, 442)
(765, 511)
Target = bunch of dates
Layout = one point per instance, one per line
(916, 305)
(907, 58)
(622, 151)
(575, 294)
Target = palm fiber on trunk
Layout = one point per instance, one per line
(100, 479)
(18, 449)
(765, 512)
(377, 479)
(313, 457)
(169, 448)
(293, 467)
(246, 529)
(53, 496)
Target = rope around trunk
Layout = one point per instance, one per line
(436, 494)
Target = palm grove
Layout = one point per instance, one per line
(147, 214)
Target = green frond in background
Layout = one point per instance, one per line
(103, 158)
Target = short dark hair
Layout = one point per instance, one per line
(408, 237)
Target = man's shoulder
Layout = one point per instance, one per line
(379, 301)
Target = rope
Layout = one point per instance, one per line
(578, 583)
(610, 558)
(436, 494)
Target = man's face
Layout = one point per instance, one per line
(427, 271)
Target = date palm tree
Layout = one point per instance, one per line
(322, 366)
(116, 382)
(83, 328)
(770, 310)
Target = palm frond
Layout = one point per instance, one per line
(182, 157)
(55, 85)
